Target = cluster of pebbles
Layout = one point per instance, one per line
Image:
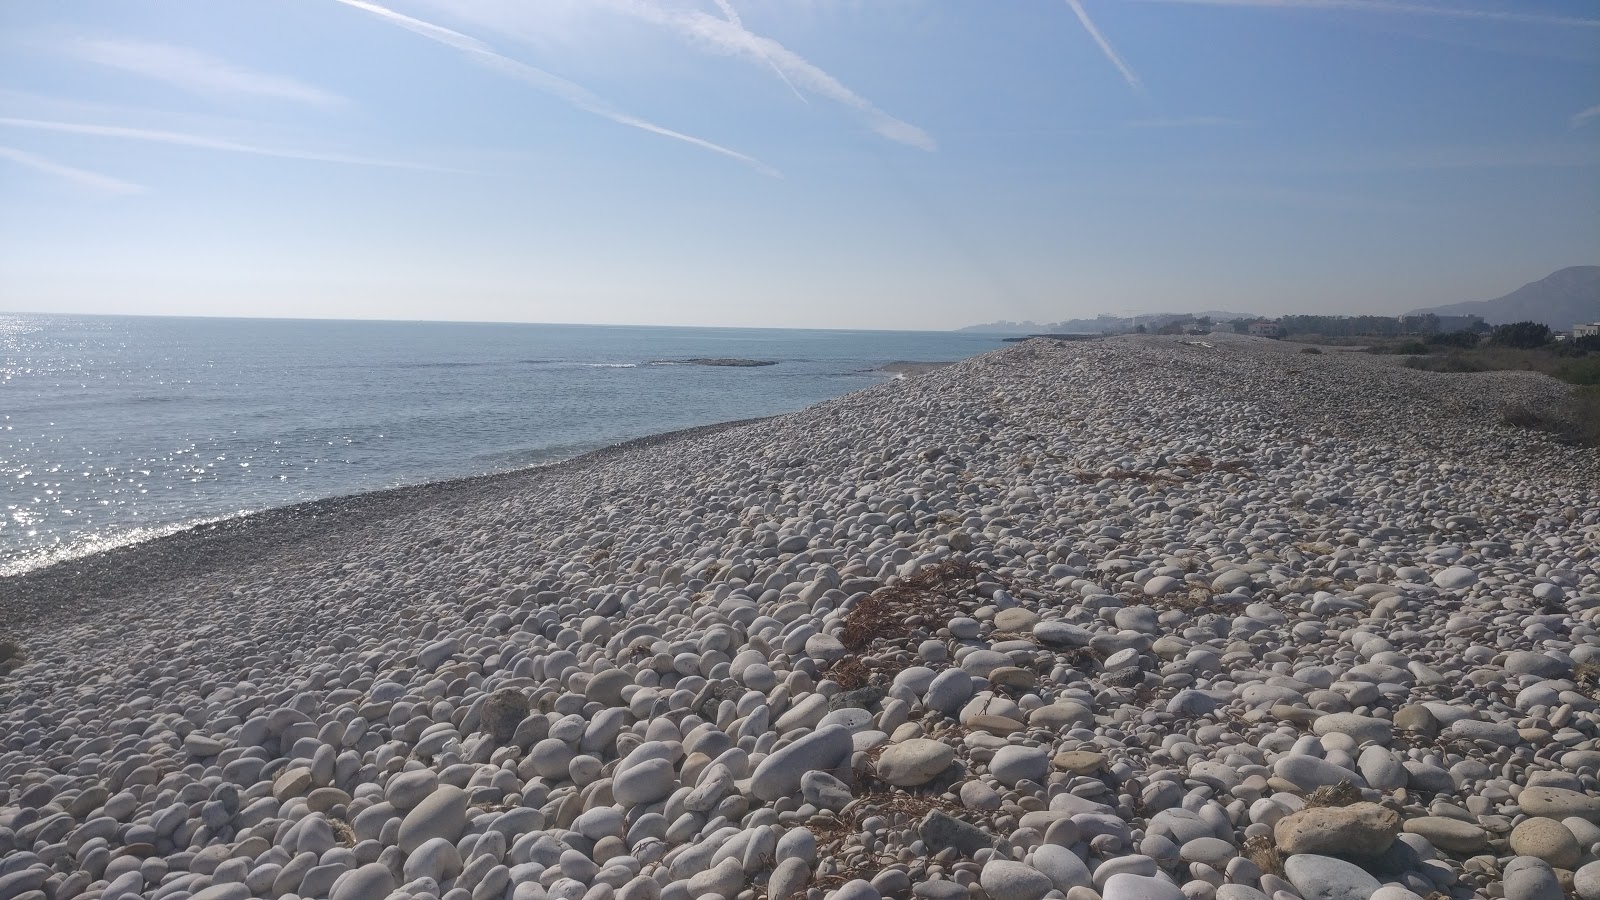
(1135, 619)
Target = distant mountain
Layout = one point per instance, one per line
(1560, 300)
(1100, 324)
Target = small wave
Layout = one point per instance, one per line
(89, 544)
(610, 365)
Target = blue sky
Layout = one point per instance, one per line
(831, 163)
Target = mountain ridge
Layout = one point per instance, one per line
(1560, 300)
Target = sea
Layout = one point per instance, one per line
(115, 430)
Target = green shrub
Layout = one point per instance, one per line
(1584, 371)
(1309, 350)
(1525, 335)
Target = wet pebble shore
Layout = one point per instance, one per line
(1133, 619)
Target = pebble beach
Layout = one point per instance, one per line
(1141, 618)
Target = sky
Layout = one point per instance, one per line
(917, 164)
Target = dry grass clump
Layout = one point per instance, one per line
(1264, 853)
(930, 595)
(342, 832)
(1586, 675)
(1342, 794)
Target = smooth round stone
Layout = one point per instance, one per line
(856, 889)
(1586, 882)
(853, 718)
(963, 627)
(369, 882)
(1548, 840)
(1454, 578)
(1015, 619)
(1558, 803)
(1005, 880)
(1064, 868)
(825, 791)
(1013, 764)
(1214, 852)
(1451, 835)
(1395, 892)
(779, 774)
(1361, 829)
(914, 762)
(442, 814)
(1161, 584)
(725, 879)
(1364, 729)
(1127, 886)
(606, 687)
(644, 782)
(1527, 878)
(948, 691)
(1307, 773)
(1526, 662)
(1325, 878)
(405, 790)
(232, 891)
(1498, 733)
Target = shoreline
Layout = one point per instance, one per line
(196, 548)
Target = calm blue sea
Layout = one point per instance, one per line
(118, 429)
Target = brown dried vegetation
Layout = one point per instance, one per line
(1342, 794)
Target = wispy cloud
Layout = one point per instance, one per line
(197, 72)
(1584, 117)
(77, 176)
(1188, 122)
(732, 16)
(204, 142)
(555, 85)
(729, 36)
(1403, 8)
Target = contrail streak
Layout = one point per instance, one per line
(728, 37)
(78, 176)
(1128, 74)
(555, 85)
(733, 16)
(203, 142)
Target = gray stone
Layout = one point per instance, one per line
(1558, 803)
(1364, 729)
(1548, 840)
(1128, 886)
(1452, 835)
(1586, 882)
(503, 711)
(1307, 773)
(442, 814)
(825, 791)
(789, 877)
(914, 762)
(1006, 880)
(1064, 868)
(940, 831)
(644, 782)
(822, 750)
(1526, 878)
(1012, 764)
(1453, 579)
(1361, 829)
(948, 691)
(1325, 878)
